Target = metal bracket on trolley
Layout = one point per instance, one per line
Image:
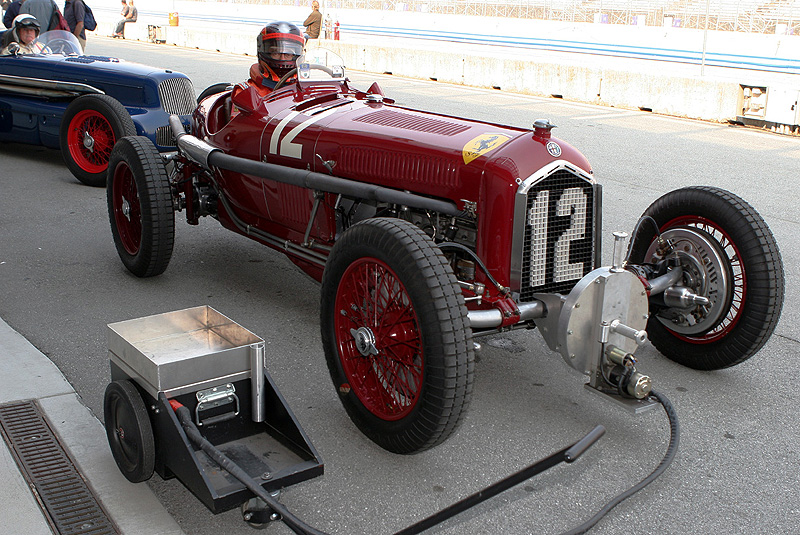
(212, 398)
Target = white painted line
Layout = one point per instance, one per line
(608, 115)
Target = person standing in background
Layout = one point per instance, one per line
(41, 9)
(74, 12)
(313, 22)
(11, 12)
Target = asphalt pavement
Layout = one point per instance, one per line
(733, 433)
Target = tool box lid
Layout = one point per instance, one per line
(179, 350)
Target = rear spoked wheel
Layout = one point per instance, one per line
(396, 335)
(91, 125)
(729, 255)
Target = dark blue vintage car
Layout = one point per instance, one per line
(84, 104)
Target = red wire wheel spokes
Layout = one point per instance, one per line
(127, 210)
(379, 340)
(737, 276)
(729, 255)
(90, 127)
(90, 139)
(140, 206)
(396, 334)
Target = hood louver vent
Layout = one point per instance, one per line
(394, 168)
(408, 121)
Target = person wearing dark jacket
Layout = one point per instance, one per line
(74, 12)
(41, 9)
(12, 12)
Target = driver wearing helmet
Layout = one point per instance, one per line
(279, 45)
(20, 39)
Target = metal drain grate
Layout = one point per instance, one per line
(69, 504)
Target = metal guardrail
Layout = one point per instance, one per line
(752, 16)
(784, 64)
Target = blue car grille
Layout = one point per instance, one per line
(164, 136)
(177, 96)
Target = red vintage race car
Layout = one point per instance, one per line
(428, 232)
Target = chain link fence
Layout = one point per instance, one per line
(752, 16)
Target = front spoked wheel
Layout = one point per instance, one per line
(140, 207)
(729, 255)
(396, 335)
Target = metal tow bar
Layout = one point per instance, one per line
(567, 455)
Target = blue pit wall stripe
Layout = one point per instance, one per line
(713, 59)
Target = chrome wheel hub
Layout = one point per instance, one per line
(365, 341)
(88, 141)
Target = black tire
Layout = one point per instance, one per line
(129, 431)
(90, 128)
(140, 207)
(751, 301)
(213, 90)
(408, 391)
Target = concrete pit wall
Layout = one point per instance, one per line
(671, 95)
(681, 96)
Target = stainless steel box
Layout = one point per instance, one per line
(182, 351)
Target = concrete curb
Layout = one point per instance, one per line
(30, 375)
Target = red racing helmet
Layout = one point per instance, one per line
(279, 45)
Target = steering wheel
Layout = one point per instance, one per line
(58, 46)
(293, 72)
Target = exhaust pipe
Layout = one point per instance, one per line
(209, 157)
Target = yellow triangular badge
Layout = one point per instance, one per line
(481, 145)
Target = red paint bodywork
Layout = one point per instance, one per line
(373, 142)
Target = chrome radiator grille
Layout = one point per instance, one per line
(177, 96)
(558, 242)
(164, 136)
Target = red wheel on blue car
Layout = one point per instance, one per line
(729, 255)
(91, 126)
(140, 206)
(396, 335)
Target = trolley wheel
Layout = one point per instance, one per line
(257, 514)
(129, 432)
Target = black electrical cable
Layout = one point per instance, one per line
(635, 233)
(294, 523)
(672, 450)
(301, 528)
(452, 245)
